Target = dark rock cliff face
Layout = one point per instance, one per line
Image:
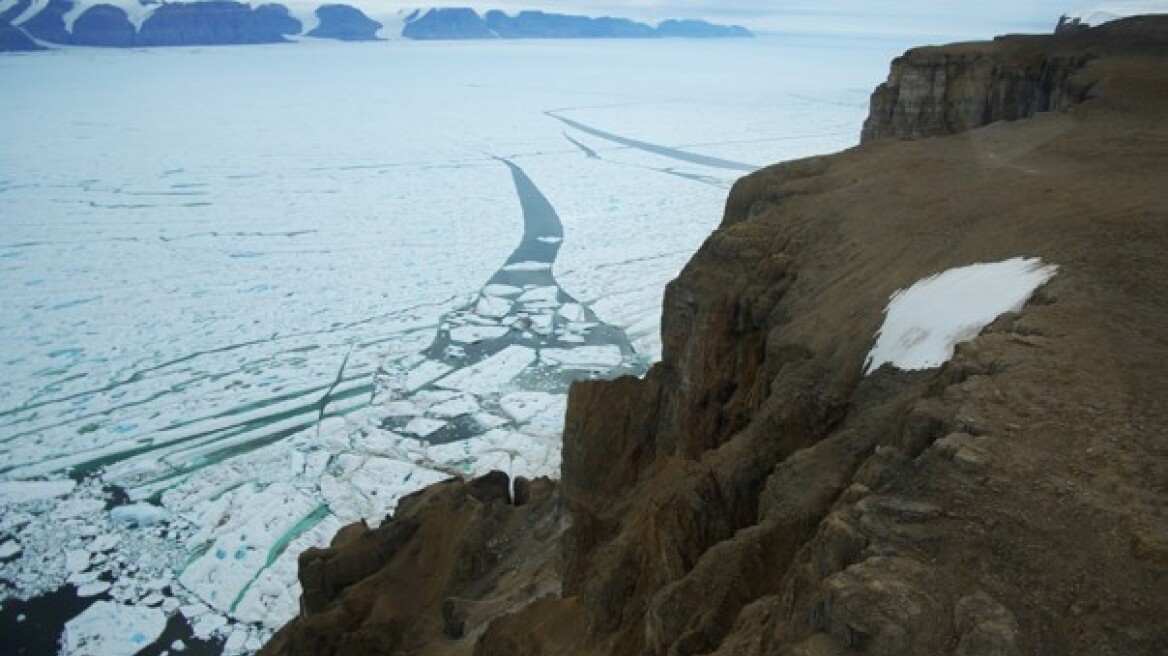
(14, 39)
(344, 23)
(756, 493)
(453, 23)
(49, 24)
(216, 23)
(104, 25)
(938, 91)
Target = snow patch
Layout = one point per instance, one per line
(923, 323)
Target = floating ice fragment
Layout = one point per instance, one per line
(522, 406)
(550, 240)
(139, 514)
(10, 549)
(235, 641)
(472, 334)
(528, 266)
(490, 375)
(422, 426)
(924, 322)
(93, 589)
(111, 629)
(492, 306)
(76, 561)
(583, 357)
(501, 290)
(104, 543)
(548, 293)
(573, 312)
(12, 492)
(457, 406)
(208, 625)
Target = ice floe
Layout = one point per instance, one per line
(111, 629)
(13, 492)
(924, 322)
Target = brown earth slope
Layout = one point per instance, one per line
(755, 493)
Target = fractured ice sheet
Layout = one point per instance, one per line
(583, 357)
(924, 322)
(13, 492)
(490, 374)
(245, 532)
(200, 324)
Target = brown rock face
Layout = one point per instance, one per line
(453, 556)
(755, 493)
(936, 91)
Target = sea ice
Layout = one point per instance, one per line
(139, 514)
(423, 426)
(522, 406)
(573, 312)
(76, 561)
(924, 322)
(492, 374)
(583, 357)
(528, 266)
(92, 589)
(12, 492)
(111, 629)
(471, 334)
(10, 549)
(492, 306)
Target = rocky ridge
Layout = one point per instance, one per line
(756, 493)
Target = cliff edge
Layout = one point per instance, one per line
(758, 493)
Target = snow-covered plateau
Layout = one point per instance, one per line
(252, 294)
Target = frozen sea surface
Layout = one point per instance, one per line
(251, 294)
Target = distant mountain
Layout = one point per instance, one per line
(463, 23)
(14, 39)
(216, 23)
(344, 23)
(28, 24)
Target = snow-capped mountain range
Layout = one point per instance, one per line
(33, 24)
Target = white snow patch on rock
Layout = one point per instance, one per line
(923, 323)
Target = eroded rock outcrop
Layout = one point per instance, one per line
(454, 556)
(756, 493)
(936, 91)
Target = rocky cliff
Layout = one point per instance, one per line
(937, 91)
(758, 493)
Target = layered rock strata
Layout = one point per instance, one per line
(936, 91)
(757, 493)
